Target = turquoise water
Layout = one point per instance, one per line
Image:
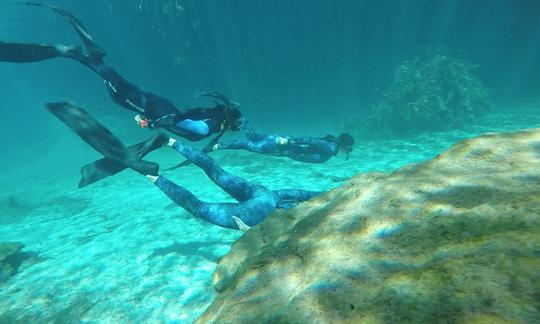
(122, 252)
(119, 251)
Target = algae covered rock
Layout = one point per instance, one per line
(12, 257)
(454, 239)
(432, 91)
(7, 250)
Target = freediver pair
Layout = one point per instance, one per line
(255, 201)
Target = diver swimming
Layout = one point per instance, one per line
(255, 202)
(304, 149)
(152, 111)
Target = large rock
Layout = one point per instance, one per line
(12, 258)
(7, 251)
(455, 239)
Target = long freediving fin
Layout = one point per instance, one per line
(24, 53)
(107, 167)
(93, 49)
(99, 137)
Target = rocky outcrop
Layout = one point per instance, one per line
(12, 258)
(454, 239)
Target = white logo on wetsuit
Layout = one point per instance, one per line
(110, 85)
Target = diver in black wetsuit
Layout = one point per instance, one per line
(304, 149)
(153, 111)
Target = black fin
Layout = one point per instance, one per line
(98, 170)
(94, 51)
(23, 53)
(151, 144)
(106, 167)
(179, 165)
(99, 137)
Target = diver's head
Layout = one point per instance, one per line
(234, 120)
(346, 143)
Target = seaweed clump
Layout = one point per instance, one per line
(432, 91)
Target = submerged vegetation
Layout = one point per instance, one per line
(432, 91)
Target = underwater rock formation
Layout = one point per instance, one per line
(434, 91)
(11, 258)
(453, 239)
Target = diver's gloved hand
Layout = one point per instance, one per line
(141, 121)
(215, 147)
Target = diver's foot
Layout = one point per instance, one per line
(171, 142)
(281, 140)
(152, 178)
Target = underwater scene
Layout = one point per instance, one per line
(284, 161)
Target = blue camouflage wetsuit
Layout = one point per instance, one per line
(194, 124)
(304, 149)
(255, 202)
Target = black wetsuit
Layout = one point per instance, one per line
(193, 124)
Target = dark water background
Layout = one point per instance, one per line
(295, 66)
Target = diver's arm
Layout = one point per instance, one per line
(250, 132)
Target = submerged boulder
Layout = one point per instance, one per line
(7, 250)
(12, 258)
(454, 239)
